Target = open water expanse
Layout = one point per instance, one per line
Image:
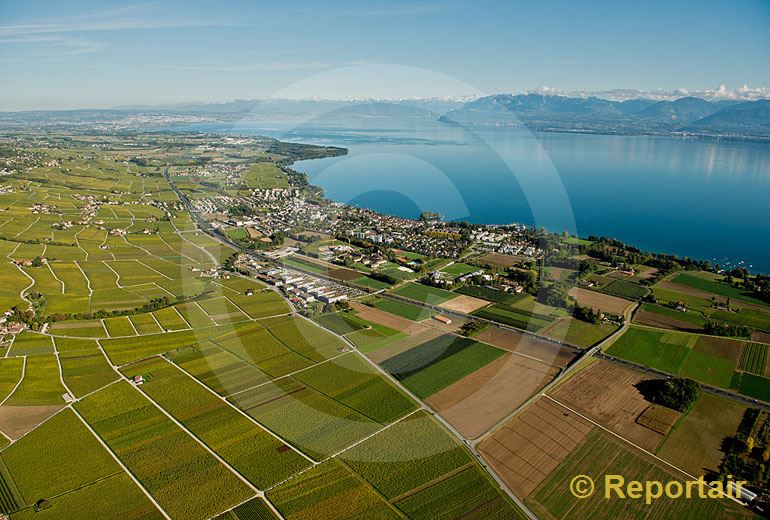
(703, 198)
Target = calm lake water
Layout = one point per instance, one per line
(701, 198)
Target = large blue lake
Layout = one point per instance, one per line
(706, 199)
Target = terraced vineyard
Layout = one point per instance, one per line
(151, 383)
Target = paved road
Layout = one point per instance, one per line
(747, 401)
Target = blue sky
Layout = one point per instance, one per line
(101, 54)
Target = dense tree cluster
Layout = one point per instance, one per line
(677, 393)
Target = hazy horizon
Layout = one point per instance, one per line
(99, 55)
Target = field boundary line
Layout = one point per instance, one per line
(152, 268)
(88, 280)
(373, 489)
(10, 346)
(27, 288)
(160, 235)
(136, 332)
(434, 482)
(161, 327)
(63, 288)
(77, 241)
(21, 378)
(195, 438)
(244, 414)
(238, 307)
(189, 325)
(117, 281)
(27, 229)
(57, 412)
(120, 462)
(285, 375)
(422, 405)
(61, 370)
(636, 446)
(209, 253)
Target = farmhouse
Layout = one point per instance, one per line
(442, 319)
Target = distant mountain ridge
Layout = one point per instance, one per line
(541, 112)
(745, 119)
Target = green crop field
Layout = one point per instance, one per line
(252, 451)
(459, 269)
(310, 420)
(711, 283)
(578, 332)
(10, 374)
(119, 326)
(436, 364)
(375, 337)
(341, 322)
(31, 344)
(41, 385)
(85, 371)
(219, 369)
(126, 501)
(145, 324)
(705, 359)
(257, 346)
(370, 283)
(491, 295)
(222, 310)
(79, 328)
(189, 484)
(624, 289)
(405, 310)
(169, 319)
(351, 381)
(387, 460)
(423, 293)
(601, 454)
(255, 509)
(754, 358)
(755, 386)
(304, 337)
(695, 444)
(58, 448)
(662, 350)
(194, 315)
(329, 490)
(469, 494)
(514, 317)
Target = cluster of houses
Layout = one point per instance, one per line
(213, 204)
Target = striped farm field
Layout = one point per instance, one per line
(142, 437)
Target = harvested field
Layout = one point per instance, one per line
(16, 421)
(724, 348)
(532, 444)
(527, 345)
(500, 260)
(481, 399)
(387, 319)
(691, 291)
(761, 337)
(464, 304)
(344, 274)
(606, 393)
(658, 418)
(652, 319)
(599, 301)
